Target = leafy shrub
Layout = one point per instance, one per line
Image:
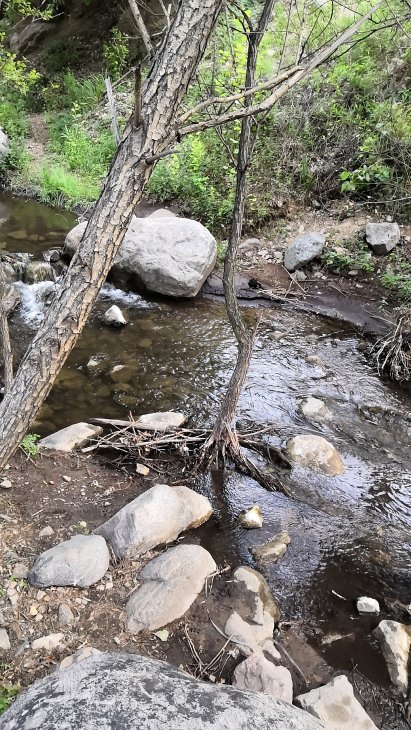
(61, 187)
(29, 444)
(116, 53)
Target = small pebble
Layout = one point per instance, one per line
(6, 484)
(65, 615)
(46, 531)
(20, 571)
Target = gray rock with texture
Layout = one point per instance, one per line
(127, 691)
(257, 674)
(80, 561)
(336, 706)
(303, 250)
(154, 518)
(170, 584)
(251, 625)
(168, 255)
(71, 437)
(382, 237)
(395, 641)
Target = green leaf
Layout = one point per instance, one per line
(162, 635)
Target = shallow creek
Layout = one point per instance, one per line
(349, 534)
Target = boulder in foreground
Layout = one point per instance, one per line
(80, 561)
(128, 691)
(336, 706)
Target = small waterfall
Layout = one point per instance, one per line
(34, 300)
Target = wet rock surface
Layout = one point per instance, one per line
(316, 453)
(336, 706)
(128, 691)
(114, 317)
(80, 561)
(155, 518)
(170, 584)
(273, 550)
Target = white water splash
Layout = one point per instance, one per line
(33, 301)
(124, 297)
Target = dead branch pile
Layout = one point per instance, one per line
(153, 448)
(392, 353)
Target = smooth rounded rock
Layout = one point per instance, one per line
(303, 250)
(71, 437)
(154, 518)
(336, 705)
(258, 674)
(114, 317)
(315, 409)
(170, 584)
(80, 561)
(316, 453)
(367, 605)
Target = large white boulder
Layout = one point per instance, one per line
(163, 254)
(154, 518)
(108, 691)
(169, 585)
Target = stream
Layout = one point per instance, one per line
(349, 534)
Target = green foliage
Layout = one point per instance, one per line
(29, 444)
(200, 177)
(353, 255)
(7, 694)
(397, 277)
(57, 186)
(82, 153)
(116, 53)
(15, 74)
(13, 118)
(61, 55)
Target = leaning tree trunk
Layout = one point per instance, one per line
(7, 352)
(163, 92)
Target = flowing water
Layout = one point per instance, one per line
(349, 534)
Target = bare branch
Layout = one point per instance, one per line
(142, 27)
(317, 59)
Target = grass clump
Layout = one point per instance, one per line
(7, 694)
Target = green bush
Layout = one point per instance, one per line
(116, 53)
(57, 186)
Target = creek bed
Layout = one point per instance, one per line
(349, 534)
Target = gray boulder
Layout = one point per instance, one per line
(154, 518)
(71, 437)
(128, 691)
(336, 706)
(24, 40)
(395, 641)
(168, 255)
(80, 561)
(170, 584)
(4, 144)
(315, 409)
(382, 237)
(303, 250)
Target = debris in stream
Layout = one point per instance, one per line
(392, 353)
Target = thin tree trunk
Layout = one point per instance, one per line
(224, 433)
(163, 92)
(142, 27)
(7, 352)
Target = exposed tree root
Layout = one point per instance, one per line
(392, 354)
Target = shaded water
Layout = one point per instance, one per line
(350, 534)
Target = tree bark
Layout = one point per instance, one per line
(7, 352)
(166, 85)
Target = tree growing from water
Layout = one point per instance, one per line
(147, 137)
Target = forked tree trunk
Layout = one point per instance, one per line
(166, 85)
(224, 433)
